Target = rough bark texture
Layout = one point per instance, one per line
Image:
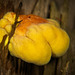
(61, 10)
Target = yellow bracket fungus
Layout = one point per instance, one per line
(35, 39)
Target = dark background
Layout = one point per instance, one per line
(61, 10)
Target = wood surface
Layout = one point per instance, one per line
(61, 10)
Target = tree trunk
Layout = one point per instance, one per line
(61, 10)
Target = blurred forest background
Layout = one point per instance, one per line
(61, 10)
